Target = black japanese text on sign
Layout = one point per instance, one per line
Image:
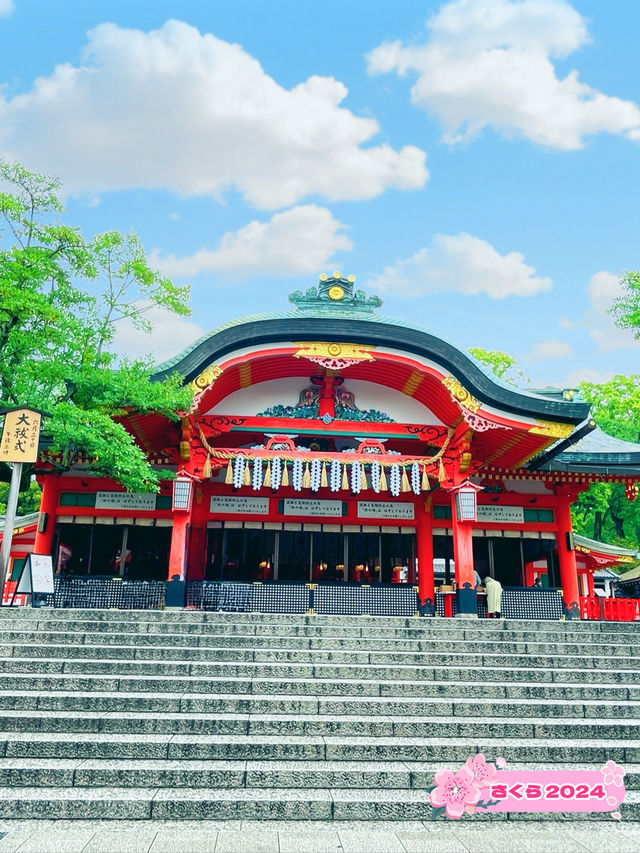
(20, 436)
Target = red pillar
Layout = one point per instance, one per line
(43, 543)
(566, 554)
(178, 551)
(463, 556)
(426, 582)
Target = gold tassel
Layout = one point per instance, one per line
(442, 474)
(345, 479)
(246, 481)
(267, 476)
(406, 486)
(306, 477)
(206, 470)
(229, 478)
(383, 480)
(426, 485)
(324, 482)
(285, 474)
(363, 480)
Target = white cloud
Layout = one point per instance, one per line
(489, 63)
(566, 323)
(177, 110)
(550, 349)
(299, 241)
(171, 334)
(6, 8)
(461, 263)
(587, 374)
(604, 288)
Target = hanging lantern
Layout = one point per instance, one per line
(466, 495)
(182, 493)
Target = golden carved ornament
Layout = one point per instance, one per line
(460, 394)
(322, 349)
(206, 378)
(552, 429)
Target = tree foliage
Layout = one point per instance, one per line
(603, 511)
(61, 296)
(501, 365)
(626, 309)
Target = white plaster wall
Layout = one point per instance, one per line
(257, 398)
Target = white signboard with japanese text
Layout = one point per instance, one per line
(386, 509)
(501, 514)
(306, 506)
(238, 505)
(125, 500)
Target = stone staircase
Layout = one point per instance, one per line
(187, 715)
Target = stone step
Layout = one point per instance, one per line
(312, 747)
(196, 616)
(185, 723)
(350, 627)
(497, 672)
(236, 804)
(321, 687)
(17, 639)
(113, 773)
(256, 703)
(185, 655)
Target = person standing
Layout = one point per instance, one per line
(494, 597)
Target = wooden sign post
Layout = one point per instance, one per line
(19, 444)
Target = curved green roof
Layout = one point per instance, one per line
(352, 317)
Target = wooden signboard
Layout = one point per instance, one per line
(20, 436)
(36, 576)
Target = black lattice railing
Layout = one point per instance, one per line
(107, 593)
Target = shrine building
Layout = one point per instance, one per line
(331, 445)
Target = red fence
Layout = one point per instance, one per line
(610, 609)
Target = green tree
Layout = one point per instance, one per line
(61, 296)
(603, 511)
(501, 365)
(626, 309)
(28, 501)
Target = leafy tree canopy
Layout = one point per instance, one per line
(603, 511)
(626, 309)
(61, 297)
(501, 365)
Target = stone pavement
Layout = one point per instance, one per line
(66, 836)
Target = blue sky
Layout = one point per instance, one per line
(473, 162)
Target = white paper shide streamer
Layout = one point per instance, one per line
(356, 478)
(415, 478)
(335, 475)
(375, 477)
(296, 475)
(238, 471)
(394, 480)
(315, 471)
(276, 473)
(256, 480)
